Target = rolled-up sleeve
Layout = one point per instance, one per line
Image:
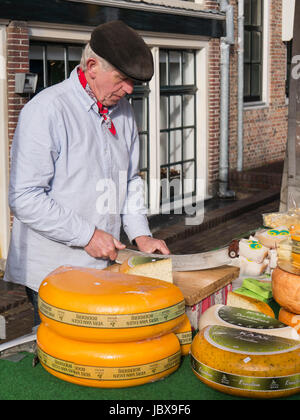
(35, 149)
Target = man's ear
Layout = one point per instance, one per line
(92, 67)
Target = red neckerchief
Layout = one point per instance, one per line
(103, 111)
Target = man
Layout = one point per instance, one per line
(74, 167)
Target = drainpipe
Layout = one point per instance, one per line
(224, 102)
(241, 20)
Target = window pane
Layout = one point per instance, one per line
(175, 146)
(256, 47)
(164, 148)
(164, 112)
(256, 80)
(188, 143)
(175, 181)
(256, 13)
(247, 80)
(163, 68)
(74, 57)
(247, 12)
(175, 111)
(247, 47)
(55, 64)
(140, 112)
(188, 68)
(143, 151)
(189, 177)
(188, 110)
(175, 68)
(36, 53)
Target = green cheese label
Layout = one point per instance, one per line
(134, 320)
(248, 342)
(250, 383)
(245, 318)
(276, 232)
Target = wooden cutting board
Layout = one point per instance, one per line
(198, 285)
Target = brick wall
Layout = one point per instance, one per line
(265, 129)
(17, 62)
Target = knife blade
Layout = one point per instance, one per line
(185, 262)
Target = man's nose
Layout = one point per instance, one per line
(128, 86)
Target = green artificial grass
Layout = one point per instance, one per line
(21, 381)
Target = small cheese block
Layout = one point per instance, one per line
(157, 268)
(252, 250)
(245, 363)
(230, 316)
(240, 301)
(272, 237)
(289, 318)
(261, 289)
(184, 335)
(108, 365)
(252, 268)
(103, 306)
(246, 292)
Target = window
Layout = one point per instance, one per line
(53, 62)
(177, 124)
(253, 50)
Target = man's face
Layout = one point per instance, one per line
(109, 86)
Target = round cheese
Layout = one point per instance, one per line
(229, 316)
(157, 268)
(96, 305)
(289, 318)
(107, 365)
(245, 363)
(286, 290)
(184, 335)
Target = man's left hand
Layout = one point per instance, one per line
(151, 245)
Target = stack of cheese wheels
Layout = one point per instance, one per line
(246, 363)
(107, 329)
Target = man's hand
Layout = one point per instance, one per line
(103, 245)
(150, 245)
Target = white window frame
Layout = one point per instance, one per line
(68, 33)
(4, 154)
(266, 61)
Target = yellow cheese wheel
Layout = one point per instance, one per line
(247, 364)
(286, 290)
(97, 305)
(184, 335)
(107, 365)
(157, 268)
(289, 318)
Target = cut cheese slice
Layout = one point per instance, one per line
(157, 268)
(245, 363)
(252, 268)
(289, 318)
(240, 301)
(184, 335)
(97, 305)
(253, 250)
(240, 318)
(107, 365)
(272, 237)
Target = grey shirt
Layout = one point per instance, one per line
(69, 176)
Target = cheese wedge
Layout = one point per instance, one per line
(157, 268)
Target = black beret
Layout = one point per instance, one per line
(124, 48)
